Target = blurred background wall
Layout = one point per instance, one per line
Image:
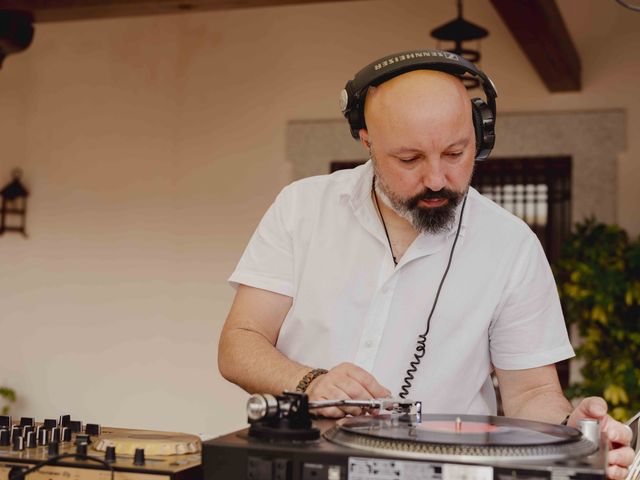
(153, 145)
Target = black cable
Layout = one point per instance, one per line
(626, 4)
(53, 460)
(386, 232)
(422, 339)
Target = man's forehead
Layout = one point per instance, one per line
(427, 88)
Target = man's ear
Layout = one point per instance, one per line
(364, 140)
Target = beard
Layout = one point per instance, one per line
(423, 219)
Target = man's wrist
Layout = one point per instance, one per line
(309, 377)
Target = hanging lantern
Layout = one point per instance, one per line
(13, 211)
(457, 31)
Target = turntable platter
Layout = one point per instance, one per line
(463, 436)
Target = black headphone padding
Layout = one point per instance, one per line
(484, 113)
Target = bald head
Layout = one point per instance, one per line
(425, 105)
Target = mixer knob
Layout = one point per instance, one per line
(50, 423)
(55, 434)
(43, 436)
(66, 434)
(92, 429)
(110, 454)
(81, 449)
(18, 442)
(138, 457)
(16, 431)
(53, 450)
(31, 440)
(26, 429)
(24, 421)
(76, 426)
(64, 420)
(5, 438)
(5, 422)
(83, 438)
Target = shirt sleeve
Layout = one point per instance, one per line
(528, 329)
(267, 262)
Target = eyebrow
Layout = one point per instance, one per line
(462, 142)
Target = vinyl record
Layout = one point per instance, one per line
(469, 430)
(457, 436)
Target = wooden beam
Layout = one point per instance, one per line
(62, 10)
(538, 27)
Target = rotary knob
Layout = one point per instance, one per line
(18, 442)
(110, 454)
(31, 440)
(43, 437)
(92, 429)
(138, 457)
(53, 450)
(5, 438)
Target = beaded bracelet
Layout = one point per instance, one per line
(308, 378)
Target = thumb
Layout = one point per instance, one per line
(591, 407)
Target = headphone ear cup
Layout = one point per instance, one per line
(477, 125)
(356, 122)
(484, 127)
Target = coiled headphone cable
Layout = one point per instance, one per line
(422, 339)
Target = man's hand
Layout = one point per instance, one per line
(343, 382)
(619, 435)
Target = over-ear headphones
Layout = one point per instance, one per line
(484, 113)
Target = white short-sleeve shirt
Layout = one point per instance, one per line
(323, 244)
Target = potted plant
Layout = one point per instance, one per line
(8, 396)
(598, 278)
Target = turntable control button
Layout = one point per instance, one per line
(138, 457)
(110, 454)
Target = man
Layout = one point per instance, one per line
(397, 278)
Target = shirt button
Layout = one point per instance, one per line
(368, 344)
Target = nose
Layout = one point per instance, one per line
(433, 175)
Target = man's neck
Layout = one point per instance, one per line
(401, 232)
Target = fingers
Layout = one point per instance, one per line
(367, 381)
(621, 457)
(617, 433)
(343, 382)
(593, 407)
(614, 472)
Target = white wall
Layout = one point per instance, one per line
(153, 145)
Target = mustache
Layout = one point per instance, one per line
(428, 194)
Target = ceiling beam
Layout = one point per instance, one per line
(539, 29)
(62, 10)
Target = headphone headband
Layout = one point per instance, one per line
(354, 93)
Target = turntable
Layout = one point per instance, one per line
(395, 441)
